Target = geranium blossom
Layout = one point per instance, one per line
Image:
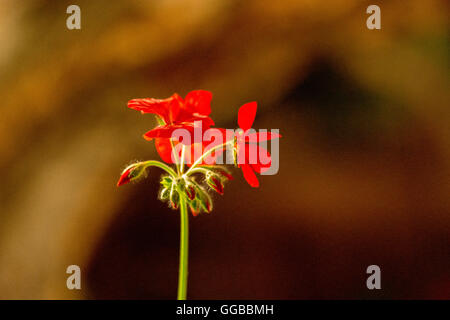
(176, 112)
(168, 149)
(194, 151)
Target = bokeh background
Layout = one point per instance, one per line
(364, 160)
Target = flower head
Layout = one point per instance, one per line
(176, 113)
(201, 156)
(180, 188)
(170, 150)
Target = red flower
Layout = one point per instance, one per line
(193, 151)
(176, 112)
(249, 154)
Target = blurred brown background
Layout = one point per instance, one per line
(364, 164)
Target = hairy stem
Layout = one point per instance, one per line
(183, 150)
(174, 155)
(203, 170)
(161, 165)
(184, 248)
(207, 153)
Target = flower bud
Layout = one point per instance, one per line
(174, 199)
(215, 183)
(194, 205)
(164, 194)
(204, 200)
(132, 172)
(190, 192)
(208, 205)
(166, 182)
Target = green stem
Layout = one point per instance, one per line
(161, 165)
(199, 160)
(204, 170)
(183, 150)
(184, 248)
(174, 154)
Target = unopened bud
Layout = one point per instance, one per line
(174, 199)
(195, 207)
(209, 205)
(132, 172)
(216, 184)
(166, 182)
(164, 194)
(204, 200)
(190, 192)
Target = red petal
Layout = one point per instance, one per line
(164, 149)
(149, 105)
(166, 108)
(260, 166)
(186, 116)
(246, 115)
(199, 101)
(194, 121)
(166, 131)
(250, 154)
(155, 106)
(159, 132)
(249, 175)
(175, 106)
(124, 178)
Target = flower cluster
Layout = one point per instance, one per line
(192, 114)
